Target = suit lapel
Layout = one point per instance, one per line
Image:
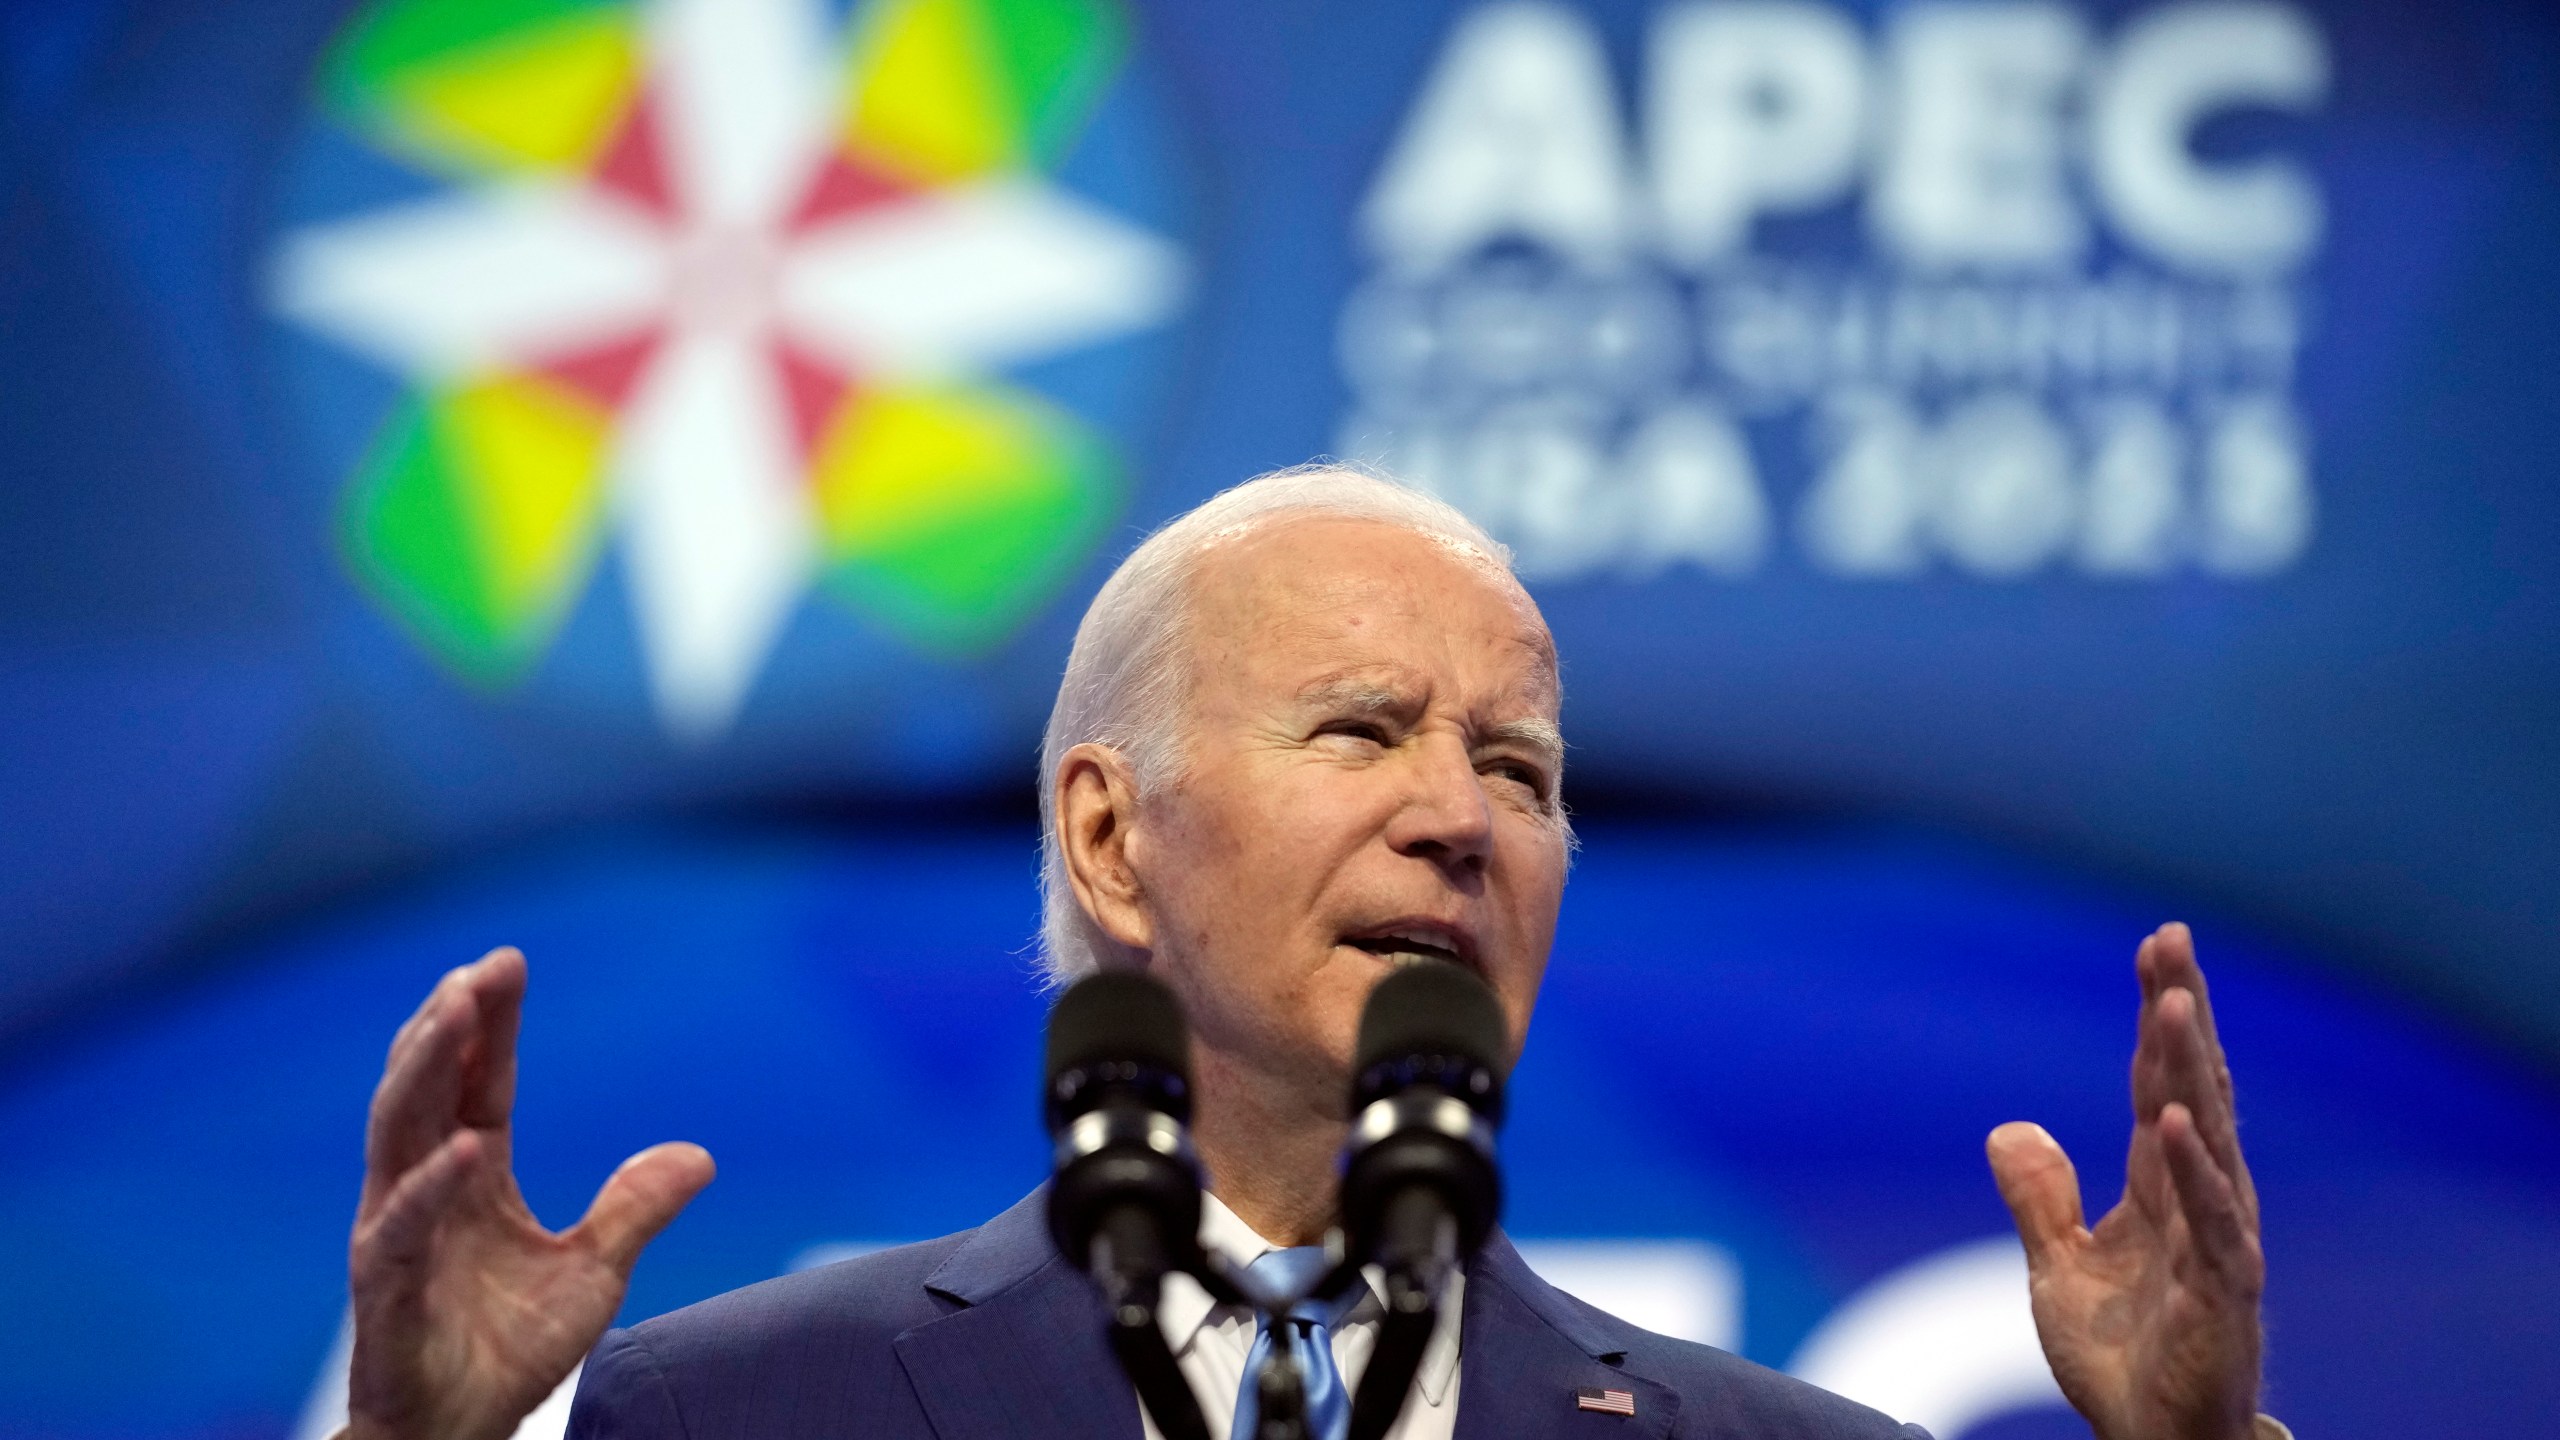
(1523, 1352)
(1024, 1355)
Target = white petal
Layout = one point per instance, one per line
(743, 87)
(717, 526)
(976, 278)
(455, 284)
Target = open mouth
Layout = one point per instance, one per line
(1412, 944)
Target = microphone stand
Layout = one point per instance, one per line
(1280, 1389)
(1129, 1265)
(1412, 1313)
(1415, 1276)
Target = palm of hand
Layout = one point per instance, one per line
(2150, 1321)
(507, 1308)
(468, 1312)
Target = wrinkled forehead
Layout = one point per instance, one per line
(1315, 591)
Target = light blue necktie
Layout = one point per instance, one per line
(1313, 1319)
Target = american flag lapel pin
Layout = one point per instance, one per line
(1607, 1402)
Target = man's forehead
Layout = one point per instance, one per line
(1386, 688)
(1318, 573)
(1350, 610)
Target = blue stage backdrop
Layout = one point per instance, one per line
(575, 472)
(2124, 427)
(1751, 1111)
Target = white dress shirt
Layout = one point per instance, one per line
(1210, 1340)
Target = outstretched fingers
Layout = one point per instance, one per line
(2224, 1245)
(2166, 963)
(2150, 1069)
(2041, 1187)
(419, 1102)
(2179, 1059)
(2193, 1075)
(639, 1199)
(394, 1245)
(451, 1067)
(497, 992)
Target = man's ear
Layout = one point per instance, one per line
(1097, 805)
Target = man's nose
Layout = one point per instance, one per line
(1447, 818)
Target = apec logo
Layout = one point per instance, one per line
(1986, 291)
(736, 284)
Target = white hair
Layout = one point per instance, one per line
(1126, 684)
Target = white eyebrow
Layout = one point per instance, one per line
(1368, 697)
(1539, 734)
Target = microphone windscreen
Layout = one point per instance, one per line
(1118, 1016)
(1433, 1008)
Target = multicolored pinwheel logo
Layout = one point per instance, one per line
(733, 284)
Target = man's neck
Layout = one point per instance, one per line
(1270, 1154)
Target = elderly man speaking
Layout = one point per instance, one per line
(1306, 729)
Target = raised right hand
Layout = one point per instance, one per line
(468, 1313)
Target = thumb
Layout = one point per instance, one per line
(640, 1198)
(2037, 1180)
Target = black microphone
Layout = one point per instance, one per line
(1420, 1187)
(1124, 1204)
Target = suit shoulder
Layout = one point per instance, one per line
(1746, 1397)
(807, 1353)
(824, 1309)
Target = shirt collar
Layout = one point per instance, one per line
(1184, 1309)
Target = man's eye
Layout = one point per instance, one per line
(1529, 777)
(1357, 730)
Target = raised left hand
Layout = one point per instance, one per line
(468, 1312)
(2150, 1320)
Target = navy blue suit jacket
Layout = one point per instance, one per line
(990, 1335)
